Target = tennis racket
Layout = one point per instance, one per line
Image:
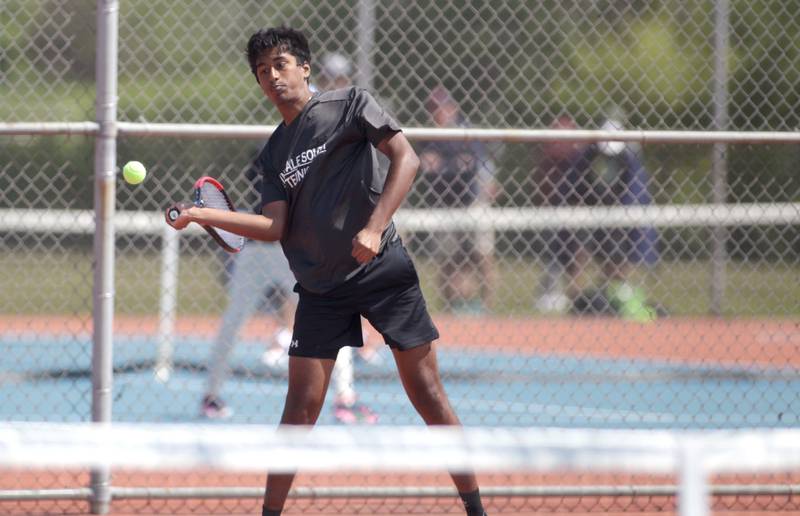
(209, 193)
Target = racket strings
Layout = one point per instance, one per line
(212, 197)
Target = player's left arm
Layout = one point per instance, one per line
(403, 166)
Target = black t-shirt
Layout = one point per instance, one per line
(324, 165)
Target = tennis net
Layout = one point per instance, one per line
(377, 470)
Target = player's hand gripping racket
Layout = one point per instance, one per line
(208, 193)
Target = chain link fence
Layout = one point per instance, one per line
(684, 316)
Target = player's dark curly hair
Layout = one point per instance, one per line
(285, 39)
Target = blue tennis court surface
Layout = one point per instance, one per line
(49, 380)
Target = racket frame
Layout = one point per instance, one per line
(174, 212)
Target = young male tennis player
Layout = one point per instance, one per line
(324, 197)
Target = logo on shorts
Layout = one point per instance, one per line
(296, 168)
(294, 343)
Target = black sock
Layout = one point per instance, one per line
(268, 512)
(472, 503)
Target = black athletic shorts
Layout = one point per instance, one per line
(386, 292)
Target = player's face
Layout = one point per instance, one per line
(281, 78)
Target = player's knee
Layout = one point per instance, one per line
(428, 397)
(301, 410)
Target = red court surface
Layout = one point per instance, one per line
(757, 341)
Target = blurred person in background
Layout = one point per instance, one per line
(258, 279)
(457, 174)
(560, 184)
(335, 72)
(602, 174)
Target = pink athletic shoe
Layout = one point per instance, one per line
(354, 414)
(214, 408)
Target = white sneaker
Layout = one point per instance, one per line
(552, 303)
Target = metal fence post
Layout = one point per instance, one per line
(693, 494)
(719, 151)
(168, 302)
(104, 204)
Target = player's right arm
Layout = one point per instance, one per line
(267, 226)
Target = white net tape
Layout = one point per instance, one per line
(256, 448)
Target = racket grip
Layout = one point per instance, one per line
(173, 214)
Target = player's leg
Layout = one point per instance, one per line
(308, 383)
(322, 326)
(419, 373)
(393, 303)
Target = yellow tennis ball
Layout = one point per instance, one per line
(134, 172)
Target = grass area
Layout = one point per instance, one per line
(682, 288)
(60, 282)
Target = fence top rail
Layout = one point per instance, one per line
(260, 132)
(49, 128)
(489, 135)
